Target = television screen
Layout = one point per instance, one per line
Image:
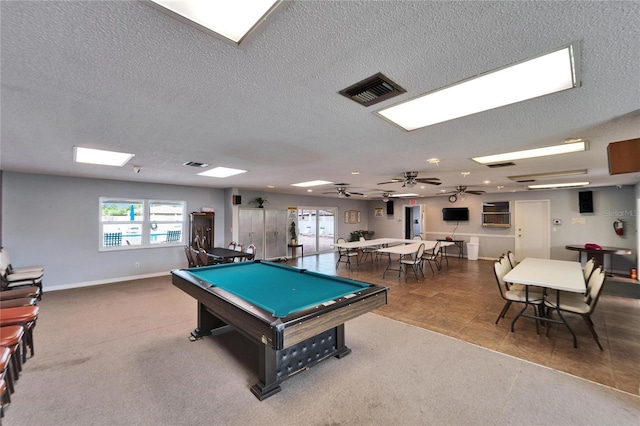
(455, 213)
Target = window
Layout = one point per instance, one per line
(496, 214)
(130, 223)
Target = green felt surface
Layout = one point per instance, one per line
(278, 289)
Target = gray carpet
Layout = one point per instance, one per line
(119, 355)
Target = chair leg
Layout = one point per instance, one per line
(587, 320)
(504, 310)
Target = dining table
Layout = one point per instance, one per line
(222, 255)
(549, 274)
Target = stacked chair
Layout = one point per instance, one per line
(20, 291)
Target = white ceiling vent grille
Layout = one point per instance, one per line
(372, 90)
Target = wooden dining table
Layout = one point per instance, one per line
(560, 275)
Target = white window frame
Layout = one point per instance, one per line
(145, 224)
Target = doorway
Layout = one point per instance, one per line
(532, 229)
(412, 222)
(316, 229)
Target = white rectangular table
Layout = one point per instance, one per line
(558, 275)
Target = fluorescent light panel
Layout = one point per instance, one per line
(549, 175)
(557, 185)
(564, 148)
(222, 172)
(312, 183)
(530, 79)
(231, 19)
(101, 157)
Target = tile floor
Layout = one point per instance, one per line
(463, 301)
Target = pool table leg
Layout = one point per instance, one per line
(206, 323)
(268, 383)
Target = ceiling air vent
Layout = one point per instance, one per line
(195, 164)
(372, 90)
(498, 165)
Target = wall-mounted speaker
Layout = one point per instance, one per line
(237, 200)
(390, 207)
(585, 201)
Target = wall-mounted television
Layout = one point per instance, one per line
(455, 213)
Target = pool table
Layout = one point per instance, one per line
(295, 316)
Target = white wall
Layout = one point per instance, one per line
(53, 221)
(610, 203)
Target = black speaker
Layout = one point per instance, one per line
(390, 207)
(585, 201)
(237, 200)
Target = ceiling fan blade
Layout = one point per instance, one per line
(391, 181)
(475, 192)
(425, 179)
(353, 193)
(428, 182)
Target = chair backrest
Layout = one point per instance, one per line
(203, 259)
(506, 263)
(594, 286)
(239, 247)
(112, 239)
(341, 240)
(588, 269)
(499, 272)
(251, 249)
(362, 239)
(190, 260)
(420, 252)
(173, 236)
(512, 258)
(232, 245)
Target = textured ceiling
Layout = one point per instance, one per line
(124, 76)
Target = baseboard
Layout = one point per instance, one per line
(102, 282)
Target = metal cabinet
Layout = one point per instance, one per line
(275, 234)
(266, 229)
(251, 229)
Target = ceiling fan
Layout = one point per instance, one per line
(342, 192)
(460, 191)
(411, 179)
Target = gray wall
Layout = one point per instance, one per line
(53, 221)
(610, 203)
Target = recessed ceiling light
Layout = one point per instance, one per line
(101, 157)
(222, 172)
(529, 79)
(230, 19)
(270, 186)
(486, 182)
(309, 190)
(312, 183)
(355, 173)
(564, 148)
(435, 161)
(465, 174)
(557, 185)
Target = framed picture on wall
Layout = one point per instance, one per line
(353, 216)
(358, 216)
(346, 216)
(378, 212)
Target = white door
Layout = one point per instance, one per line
(532, 229)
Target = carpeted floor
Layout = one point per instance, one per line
(119, 354)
